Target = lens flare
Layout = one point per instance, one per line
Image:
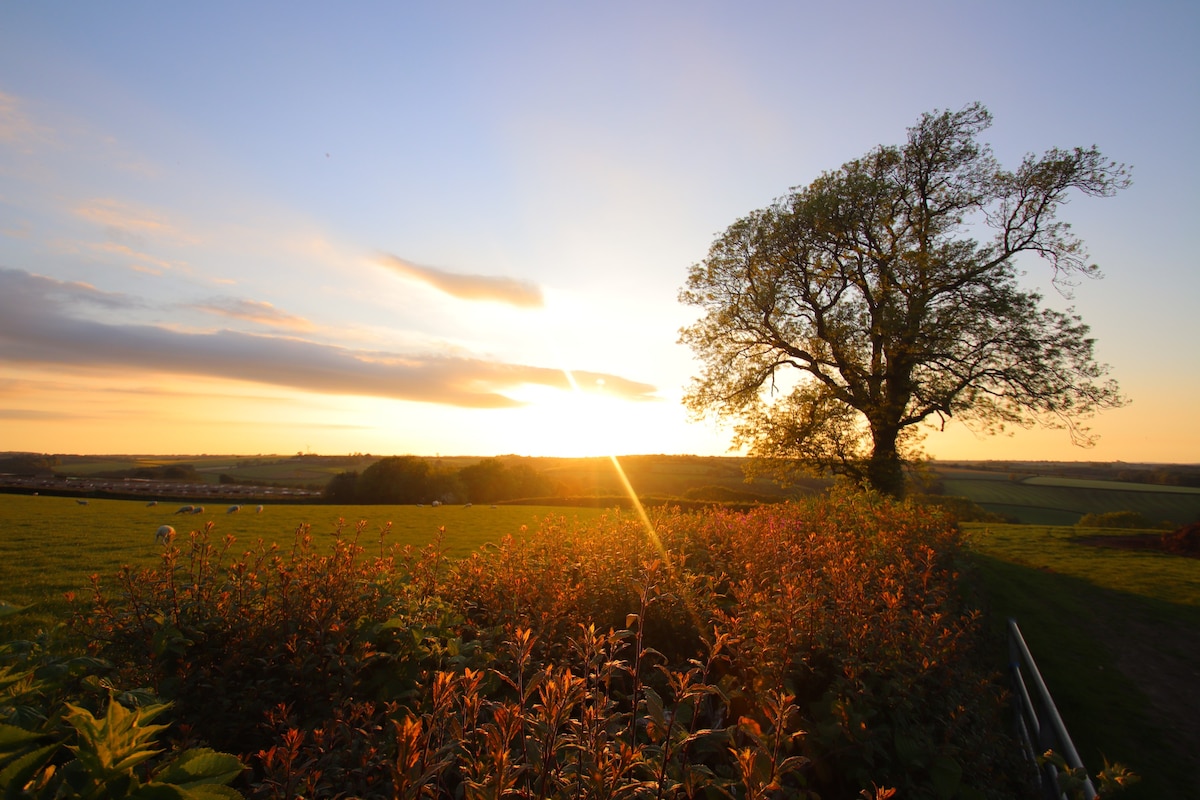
(628, 487)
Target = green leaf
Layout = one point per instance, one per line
(159, 791)
(654, 707)
(201, 766)
(211, 791)
(705, 733)
(13, 739)
(20, 770)
(946, 774)
(8, 609)
(908, 750)
(792, 764)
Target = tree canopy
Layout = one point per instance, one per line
(849, 312)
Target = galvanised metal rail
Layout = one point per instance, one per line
(1038, 722)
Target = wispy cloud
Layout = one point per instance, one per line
(261, 313)
(16, 127)
(36, 415)
(142, 262)
(122, 221)
(38, 325)
(469, 287)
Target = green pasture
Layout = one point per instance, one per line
(52, 545)
(1098, 621)
(1119, 486)
(1062, 501)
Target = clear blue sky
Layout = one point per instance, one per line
(391, 227)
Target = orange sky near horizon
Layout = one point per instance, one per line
(229, 230)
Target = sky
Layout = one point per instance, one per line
(462, 228)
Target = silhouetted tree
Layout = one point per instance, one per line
(860, 306)
(342, 488)
(492, 479)
(395, 479)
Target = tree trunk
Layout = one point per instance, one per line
(885, 470)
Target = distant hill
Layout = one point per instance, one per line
(1041, 492)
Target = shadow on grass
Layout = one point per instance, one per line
(1102, 654)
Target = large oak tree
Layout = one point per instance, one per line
(849, 312)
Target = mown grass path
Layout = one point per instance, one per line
(1116, 634)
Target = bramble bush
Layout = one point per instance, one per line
(813, 649)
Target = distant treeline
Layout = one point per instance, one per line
(28, 464)
(411, 479)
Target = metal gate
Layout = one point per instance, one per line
(1038, 722)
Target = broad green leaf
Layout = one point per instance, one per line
(201, 766)
(654, 707)
(8, 609)
(19, 771)
(792, 764)
(946, 774)
(13, 738)
(159, 791)
(211, 791)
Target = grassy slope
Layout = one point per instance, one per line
(1093, 618)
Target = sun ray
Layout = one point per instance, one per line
(625, 483)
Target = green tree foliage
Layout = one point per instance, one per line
(396, 479)
(492, 479)
(29, 464)
(342, 487)
(859, 307)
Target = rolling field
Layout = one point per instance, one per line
(1062, 501)
(1115, 632)
(52, 545)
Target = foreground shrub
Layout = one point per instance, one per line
(228, 639)
(800, 650)
(51, 748)
(847, 606)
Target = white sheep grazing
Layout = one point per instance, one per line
(258, 510)
(233, 509)
(198, 510)
(164, 534)
(185, 510)
(152, 503)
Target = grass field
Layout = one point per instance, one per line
(1115, 632)
(1062, 501)
(1106, 626)
(52, 545)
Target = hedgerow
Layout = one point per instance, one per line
(815, 649)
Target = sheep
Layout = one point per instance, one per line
(436, 503)
(258, 510)
(151, 503)
(164, 534)
(233, 509)
(186, 510)
(198, 510)
(468, 505)
(82, 502)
